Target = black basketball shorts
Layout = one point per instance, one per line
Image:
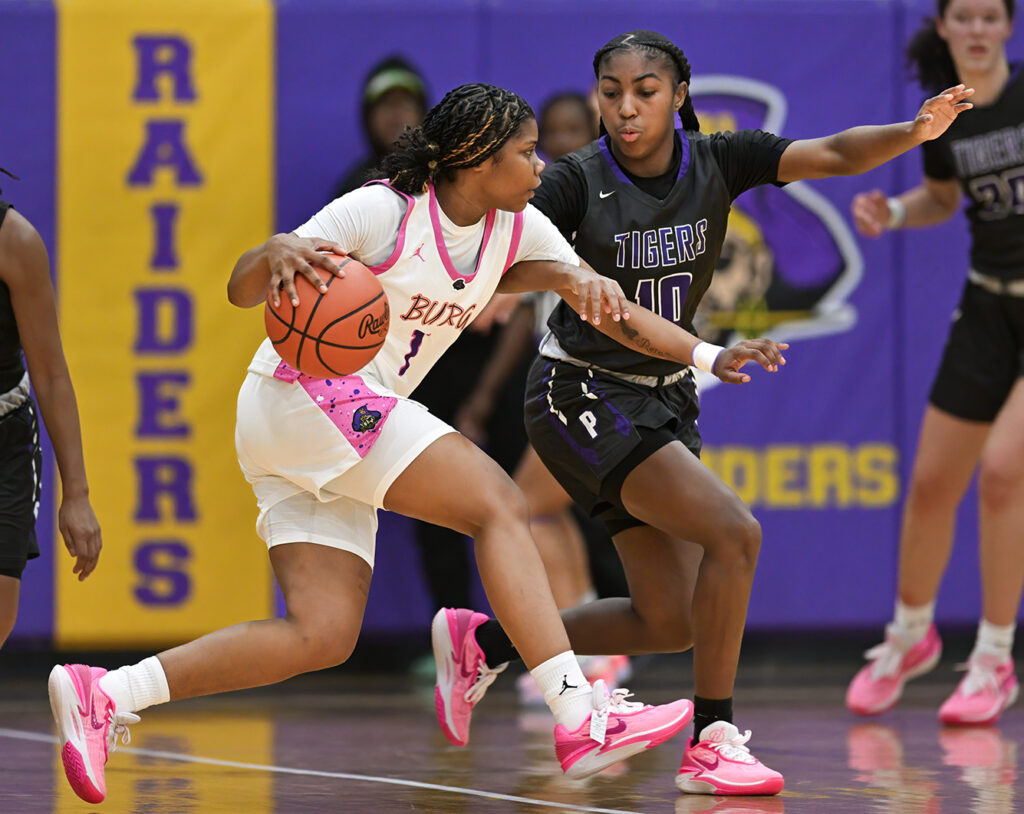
(591, 429)
(20, 472)
(984, 355)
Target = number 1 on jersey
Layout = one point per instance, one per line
(672, 290)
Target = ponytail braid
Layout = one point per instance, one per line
(469, 125)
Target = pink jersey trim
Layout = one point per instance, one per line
(357, 411)
(442, 249)
(400, 242)
(513, 246)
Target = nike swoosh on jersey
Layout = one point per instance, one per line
(605, 194)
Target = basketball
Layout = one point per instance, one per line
(334, 333)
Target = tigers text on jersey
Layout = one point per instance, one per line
(431, 300)
(662, 251)
(984, 151)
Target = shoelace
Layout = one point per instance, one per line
(119, 728)
(618, 704)
(484, 678)
(734, 748)
(979, 677)
(887, 656)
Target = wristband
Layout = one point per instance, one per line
(704, 356)
(897, 213)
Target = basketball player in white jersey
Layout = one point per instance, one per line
(324, 455)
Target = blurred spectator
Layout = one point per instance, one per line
(394, 97)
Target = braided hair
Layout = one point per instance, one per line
(928, 56)
(654, 46)
(469, 125)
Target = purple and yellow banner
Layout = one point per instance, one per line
(165, 177)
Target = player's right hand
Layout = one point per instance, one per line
(870, 212)
(766, 352)
(81, 532)
(289, 254)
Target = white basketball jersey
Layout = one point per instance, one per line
(431, 302)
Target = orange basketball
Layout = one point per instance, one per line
(335, 333)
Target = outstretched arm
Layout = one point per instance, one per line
(860, 149)
(589, 294)
(25, 268)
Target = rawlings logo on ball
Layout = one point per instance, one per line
(374, 325)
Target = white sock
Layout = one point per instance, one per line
(911, 623)
(995, 640)
(588, 596)
(136, 687)
(566, 691)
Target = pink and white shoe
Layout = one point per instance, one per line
(721, 763)
(879, 685)
(462, 674)
(87, 724)
(615, 730)
(989, 687)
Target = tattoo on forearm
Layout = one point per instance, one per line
(642, 343)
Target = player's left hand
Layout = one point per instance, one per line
(596, 295)
(81, 532)
(939, 112)
(767, 353)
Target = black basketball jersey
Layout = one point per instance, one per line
(11, 366)
(662, 251)
(984, 150)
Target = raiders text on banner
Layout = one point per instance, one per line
(165, 178)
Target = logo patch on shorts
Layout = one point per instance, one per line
(364, 419)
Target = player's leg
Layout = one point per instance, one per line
(453, 483)
(991, 684)
(555, 532)
(10, 588)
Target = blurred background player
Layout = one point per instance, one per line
(394, 98)
(28, 322)
(571, 544)
(975, 416)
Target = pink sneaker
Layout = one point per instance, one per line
(87, 724)
(878, 685)
(615, 730)
(720, 763)
(989, 687)
(462, 675)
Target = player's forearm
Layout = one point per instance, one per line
(860, 149)
(651, 335)
(924, 209)
(59, 411)
(537, 275)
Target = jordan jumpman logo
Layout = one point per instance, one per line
(566, 685)
(417, 253)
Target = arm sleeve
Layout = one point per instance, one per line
(542, 241)
(748, 158)
(562, 195)
(937, 162)
(365, 222)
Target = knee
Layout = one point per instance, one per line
(324, 644)
(503, 504)
(738, 539)
(999, 484)
(669, 629)
(930, 488)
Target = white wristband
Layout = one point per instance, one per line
(704, 356)
(897, 213)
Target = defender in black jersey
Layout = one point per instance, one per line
(647, 205)
(975, 418)
(28, 321)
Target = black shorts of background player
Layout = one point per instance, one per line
(647, 205)
(28, 324)
(974, 420)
